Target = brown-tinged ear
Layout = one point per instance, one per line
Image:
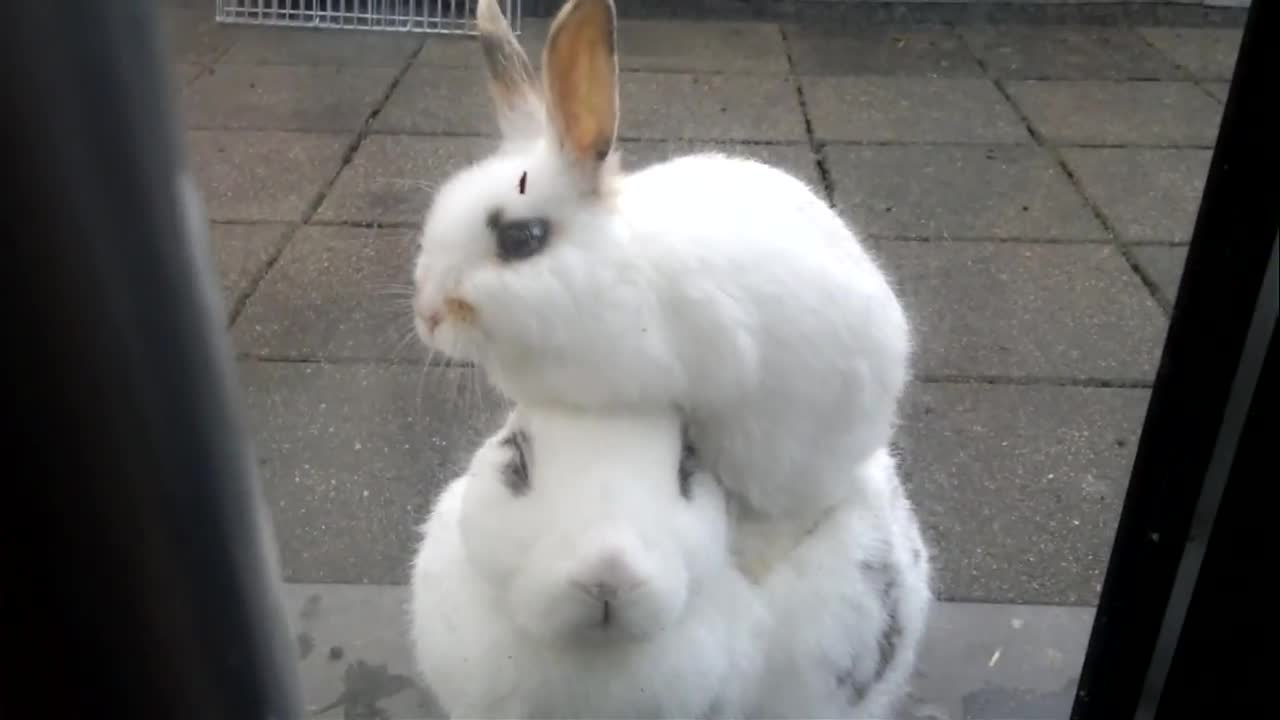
(580, 73)
(512, 83)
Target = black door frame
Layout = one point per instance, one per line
(142, 575)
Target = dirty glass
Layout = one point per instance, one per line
(1027, 177)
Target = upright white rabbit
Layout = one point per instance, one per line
(716, 284)
(580, 569)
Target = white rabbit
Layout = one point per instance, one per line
(719, 285)
(580, 569)
(848, 607)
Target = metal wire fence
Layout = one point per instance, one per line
(431, 16)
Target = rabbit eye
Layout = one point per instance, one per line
(520, 239)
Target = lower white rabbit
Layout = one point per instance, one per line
(848, 606)
(580, 569)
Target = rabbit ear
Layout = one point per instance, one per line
(580, 72)
(512, 82)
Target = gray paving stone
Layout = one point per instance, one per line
(666, 106)
(1020, 487)
(940, 191)
(1148, 194)
(1026, 310)
(183, 73)
(700, 46)
(351, 456)
(1118, 113)
(249, 175)
(1206, 52)
(664, 45)
(977, 661)
(303, 46)
(882, 50)
(1217, 89)
(713, 107)
(279, 97)
(1068, 53)
(242, 253)
(897, 109)
(337, 293)
(192, 35)
(439, 100)
(464, 51)
(1163, 264)
(795, 158)
(392, 177)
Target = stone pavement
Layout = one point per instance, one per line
(1031, 189)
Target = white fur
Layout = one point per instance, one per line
(501, 630)
(716, 284)
(848, 607)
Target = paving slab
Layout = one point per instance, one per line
(1146, 194)
(464, 51)
(1163, 264)
(1020, 487)
(303, 46)
(978, 661)
(701, 46)
(905, 110)
(351, 456)
(796, 158)
(183, 73)
(242, 253)
(948, 191)
(337, 293)
(1068, 53)
(1208, 53)
(254, 175)
(659, 45)
(1118, 113)
(1026, 310)
(710, 107)
(392, 178)
(881, 50)
(714, 107)
(192, 35)
(279, 97)
(433, 100)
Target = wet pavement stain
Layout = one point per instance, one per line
(306, 644)
(363, 687)
(310, 607)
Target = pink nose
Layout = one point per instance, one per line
(433, 321)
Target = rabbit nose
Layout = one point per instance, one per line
(605, 592)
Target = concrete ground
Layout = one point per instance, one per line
(1032, 190)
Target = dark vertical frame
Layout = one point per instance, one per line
(1181, 545)
(139, 571)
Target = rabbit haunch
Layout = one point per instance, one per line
(719, 285)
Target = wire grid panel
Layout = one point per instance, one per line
(432, 16)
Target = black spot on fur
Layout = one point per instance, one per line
(515, 474)
(878, 572)
(688, 466)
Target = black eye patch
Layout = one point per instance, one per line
(515, 474)
(688, 466)
(521, 238)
